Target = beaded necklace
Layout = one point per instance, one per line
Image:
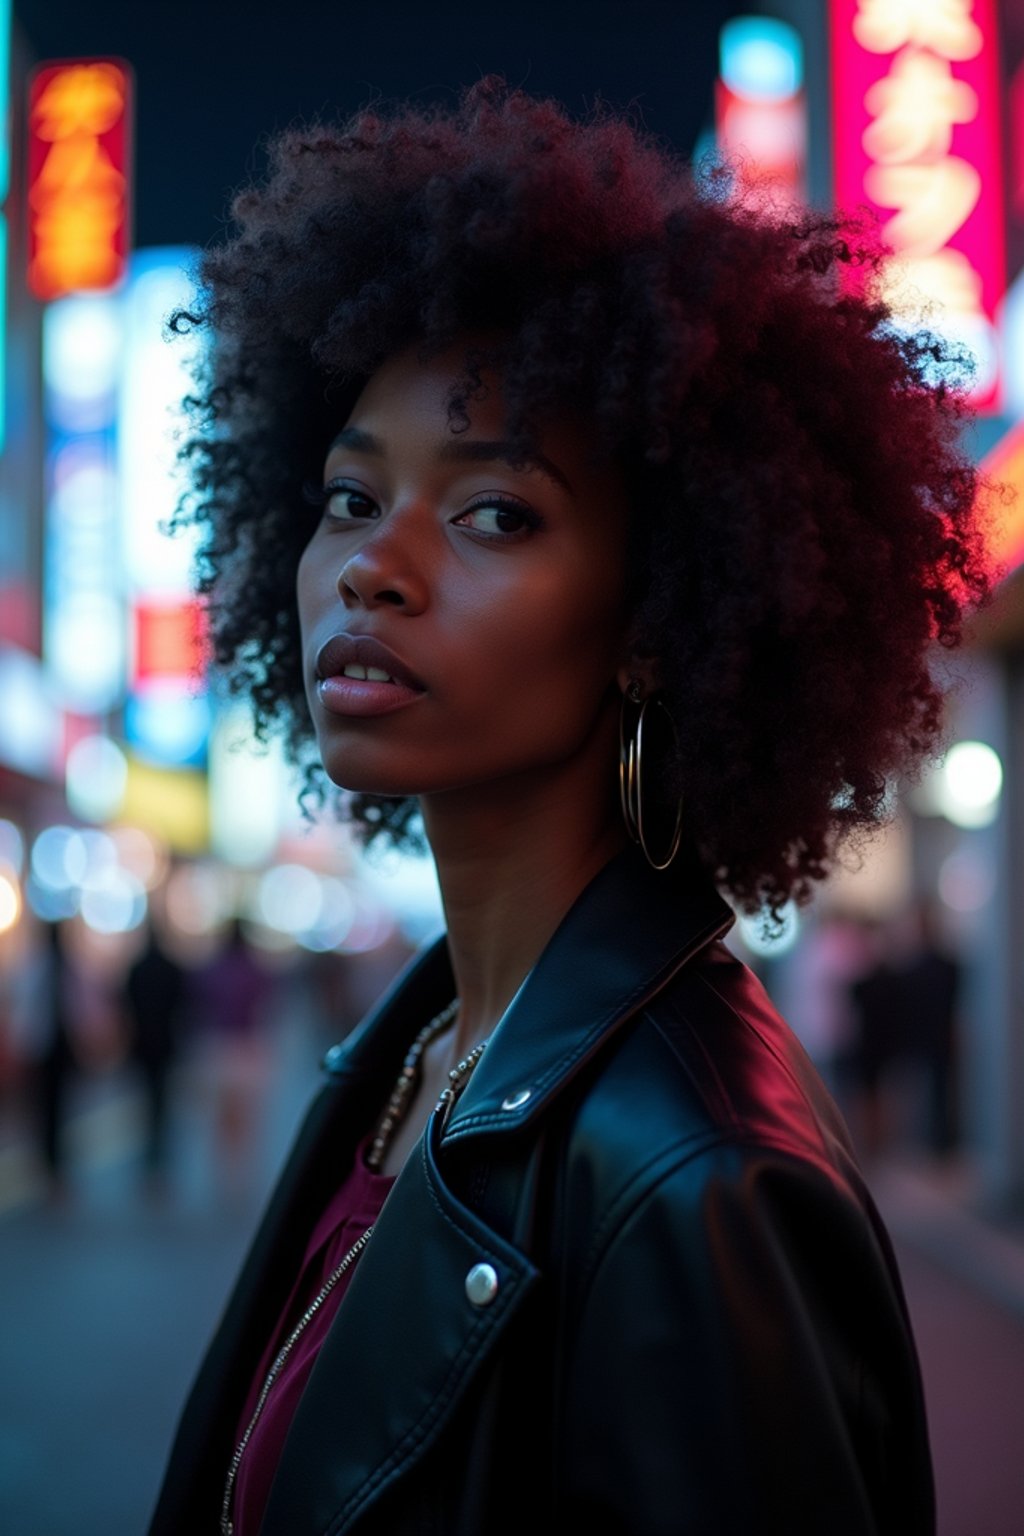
(397, 1108)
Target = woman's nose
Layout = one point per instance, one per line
(387, 569)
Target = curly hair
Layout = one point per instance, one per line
(805, 513)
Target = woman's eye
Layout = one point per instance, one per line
(344, 504)
(341, 503)
(499, 519)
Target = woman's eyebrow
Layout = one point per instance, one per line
(476, 451)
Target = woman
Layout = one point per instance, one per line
(632, 526)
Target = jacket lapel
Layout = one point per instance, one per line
(359, 1074)
(410, 1339)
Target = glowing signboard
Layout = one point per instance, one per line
(79, 113)
(760, 107)
(915, 91)
(83, 604)
(1004, 465)
(167, 712)
(1017, 141)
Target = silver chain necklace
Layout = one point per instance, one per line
(397, 1108)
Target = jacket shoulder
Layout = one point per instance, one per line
(707, 1074)
(738, 1064)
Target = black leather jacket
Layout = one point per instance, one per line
(697, 1327)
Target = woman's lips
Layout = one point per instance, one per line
(342, 695)
(362, 695)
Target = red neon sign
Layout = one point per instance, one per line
(915, 92)
(170, 639)
(79, 114)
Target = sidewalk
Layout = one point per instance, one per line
(963, 1275)
(114, 1298)
(938, 1210)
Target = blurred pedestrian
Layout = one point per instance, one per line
(52, 1055)
(232, 992)
(879, 1009)
(930, 980)
(153, 995)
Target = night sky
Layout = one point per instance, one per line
(214, 79)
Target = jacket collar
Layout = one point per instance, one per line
(624, 937)
(622, 940)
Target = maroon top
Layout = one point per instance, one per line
(355, 1207)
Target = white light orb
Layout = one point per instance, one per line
(50, 854)
(10, 900)
(112, 901)
(770, 946)
(970, 784)
(82, 348)
(289, 898)
(96, 776)
(335, 919)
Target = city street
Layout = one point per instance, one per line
(553, 474)
(107, 1301)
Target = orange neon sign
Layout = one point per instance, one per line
(1003, 466)
(79, 116)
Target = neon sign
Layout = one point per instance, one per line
(167, 712)
(760, 107)
(78, 177)
(916, 136)
(83, 606)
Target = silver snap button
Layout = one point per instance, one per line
(482, 1284)
(518, 1099)
(334, 1059)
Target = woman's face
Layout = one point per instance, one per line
(499, 591)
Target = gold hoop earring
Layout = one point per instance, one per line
(631, 745)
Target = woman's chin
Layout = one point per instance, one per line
(346, 777)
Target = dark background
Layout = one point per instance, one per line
(214, 79)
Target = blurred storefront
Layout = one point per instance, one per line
(915, 110)
(130, 798)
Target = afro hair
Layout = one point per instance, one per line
(805, 512)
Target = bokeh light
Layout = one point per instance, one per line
(58, 858)
(112, 901)
(289, 898)
(761, 58)
(199, 898)
(335, 919)
(775, 943)
(971, 783)
(12, 846)
(10, 899)
(82, 344)
(141, 854)
(95, 778)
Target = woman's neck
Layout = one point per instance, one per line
(510, 865)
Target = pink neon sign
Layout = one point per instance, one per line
(915, 96)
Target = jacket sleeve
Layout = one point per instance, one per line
(743, 1362)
